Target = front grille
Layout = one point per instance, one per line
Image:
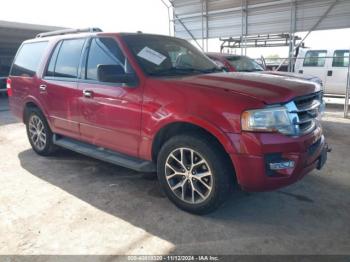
(305, 111)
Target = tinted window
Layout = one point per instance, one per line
(51, 67)
(341, 58)
(28, 59)
(315, 58)
(68, 59)
(105, 51)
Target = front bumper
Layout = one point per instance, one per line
(252, 170)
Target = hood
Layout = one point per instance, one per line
(268, 88)
(294, 75)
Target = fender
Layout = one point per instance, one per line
(146, 144)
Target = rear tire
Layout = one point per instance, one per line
(195, 173)
(39, 133)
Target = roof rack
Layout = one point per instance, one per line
(266, 40)
(69, 31)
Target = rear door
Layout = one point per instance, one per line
(337, 72)
(110, 112)
(59, 86)
(315, 64)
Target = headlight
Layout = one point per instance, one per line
(274, 119)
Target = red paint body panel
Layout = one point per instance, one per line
(61, 102)
(127, 119)
(249, 159)
(112, 117)
(270, 89)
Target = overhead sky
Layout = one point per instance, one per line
(149, 16)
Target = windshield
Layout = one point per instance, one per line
(168, 56)
(244, 64)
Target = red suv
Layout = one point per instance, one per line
(239, 63)
(156, 103)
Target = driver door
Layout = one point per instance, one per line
(110, 113)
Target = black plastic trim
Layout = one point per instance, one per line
(105, 154)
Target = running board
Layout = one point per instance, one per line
(104, 154)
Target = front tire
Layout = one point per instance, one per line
(195, 173)
(39, 133)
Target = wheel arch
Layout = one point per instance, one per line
(31, 102)
(28, 105)
(183, 127)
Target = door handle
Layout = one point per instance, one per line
(42, 87)
(87, 93)
(329, 73)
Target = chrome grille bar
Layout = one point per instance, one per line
(304, 112)
(314, 105)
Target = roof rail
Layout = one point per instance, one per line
(69, 31)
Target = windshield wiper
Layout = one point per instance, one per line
(251, 70)
(170, 71)
(213, 70)
(177, 70)
(203, 71)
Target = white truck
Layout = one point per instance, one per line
(330, 65)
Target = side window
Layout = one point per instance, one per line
(65, 59)
(341, 58)
(315, 58)
(28, 59)
(105, 52)
(52, 64)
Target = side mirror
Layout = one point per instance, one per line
(114, 74)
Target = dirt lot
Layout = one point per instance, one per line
(71, 204)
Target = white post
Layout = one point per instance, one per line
(347, 92)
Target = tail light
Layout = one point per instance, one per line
(9, 87)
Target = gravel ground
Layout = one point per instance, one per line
(71, 204)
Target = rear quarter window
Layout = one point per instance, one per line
(28, 59)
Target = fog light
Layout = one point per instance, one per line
(282, 165)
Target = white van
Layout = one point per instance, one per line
(330, 65)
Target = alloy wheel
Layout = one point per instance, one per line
(37, 132)
(188, 175)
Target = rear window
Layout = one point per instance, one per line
(341, 58)
(315, 58)
(28, 59)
